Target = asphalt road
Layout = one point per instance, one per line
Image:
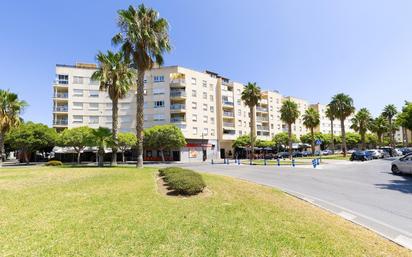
(365, 193)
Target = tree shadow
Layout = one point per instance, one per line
(402, 185)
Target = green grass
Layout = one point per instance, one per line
(49, 211)
(275, 162)
(330, 157)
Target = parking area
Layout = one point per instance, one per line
(366, 193)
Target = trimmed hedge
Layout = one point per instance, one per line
(54, 163)
(183, 181)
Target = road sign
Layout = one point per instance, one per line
(318, 142)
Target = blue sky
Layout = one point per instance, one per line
(308, 49)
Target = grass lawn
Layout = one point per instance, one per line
(331, 157)
(275, 162)
(47, 211)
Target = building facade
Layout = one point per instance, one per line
(204, 105)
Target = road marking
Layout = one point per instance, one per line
(404, 240)
(347, 215)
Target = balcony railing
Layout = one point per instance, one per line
(61, 108)
(263, 133)
(60, 82)
(261, 109)
(228, 114)
(263, 128)
(177, 106)
(229, 124)
(61, 95)
(59, 122)
(177, 82)
(229, 132)
(175, 93)
(262, 119)
(177, 120)
(228, 103)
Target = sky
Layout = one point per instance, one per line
(307, 49)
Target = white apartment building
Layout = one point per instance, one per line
(324, 125)
(204, 105)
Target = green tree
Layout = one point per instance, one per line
(282, 139)
(241, 141)
(342, 107)
(115, 77)
(78, 138)
(30, 137)
(389, 112)
(251, 96)
(144, 38)
(164, 137)
(102, 138)
(380, 126)
(10, 110)
(360, 123)
(352, 139)
(330, 114)
(371, 140)
(264, 143)
(311, 120)
(289, 113)
(126, 140)
(405, 118)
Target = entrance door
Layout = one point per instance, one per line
(222, 153)
(176, 155)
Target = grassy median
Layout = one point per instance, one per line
(49, 211)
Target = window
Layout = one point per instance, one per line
(212, 120)
(239, 112)
(193, 81)
(205, 119)
(78, 92)
(205, 131)
(159, 104)
(158, 117)
(94, 93)
(194, 117)
(204, 107)
(93, 106)
(158, 91)
(194, 131)
(212, 132)
(204, 95)
(211, 98)
(240, 132)
(62, 79)
(77, 119)
(77, 106)
(212, 109)
(194, 93)
(204, 83)
(157, 79)
(211, 87)
(238, 102)
(94, 120)
(77, 80)
(194, 105)
(271, 126)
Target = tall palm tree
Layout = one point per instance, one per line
(380, 126)
(342, 106)
(101, 137)
(289, 113)
(10, 109)
(311, 120)
(389, 112)
(331, 116)
(144, 38)
(251, 95)
(115, 77)
(360, 123)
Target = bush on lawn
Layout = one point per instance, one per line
(54, 163)
(183, 181)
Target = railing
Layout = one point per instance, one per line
(177, 106)
(59, 122)
(263, 128)
(177, 120)
(60, 82)
(229, 132)
(61, 95)
(228, 114)
(177, 93)
(228, 103)
(264, 101)
(262, 133)
(262, 119)
(261, 109)
(178, 82)
(61, 108)
(229, 124)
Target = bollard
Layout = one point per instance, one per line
(250, 162)
(264, 162)
(212, 162)
(227, 162)
(278, 162)
(293, 162)
(317, 162)
(238, 161)
(314, 163)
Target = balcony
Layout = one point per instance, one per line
(229, 132)
(264, 101)
(263, 133)
(262, 119)
(228, 114)
(61, 82)
(63, 108)
(178, 83)
(177, 107)
(229, 124)
(263, 128)
(177, 120)
(60, 122)
(61, 95)
(228, 103)
(261, 109)
(176, 94)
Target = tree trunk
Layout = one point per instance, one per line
(115, 121)
(333, 137)
(78, 157)
(406, 136)
(1, 148)
(391, 134)
(379, 139)
(140, 117)
(101, 157)
(363, 140)
(342, 127)
(26, 157)
(252, 132)
(162, 155)
(123, 157)
(313, 141)
(290, 139)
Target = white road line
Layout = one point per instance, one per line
(347, 215)
(403, 240)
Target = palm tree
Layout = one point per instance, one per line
(251, 95)
(331, 116)
(379, 126)
(10, 109)
(342, 106)
(289, 113)
(115, 77)
(102, 138)
(311, 120)
(360, 123)
(389, 112)
(144, 38)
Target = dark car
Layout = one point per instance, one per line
(361, 156)
(297, 154)
(390, 151)
(406, 150)
(283, 155)
(306, 153)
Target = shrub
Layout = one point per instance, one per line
(183, 181)
(54, 163)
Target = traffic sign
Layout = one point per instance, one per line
(318, 142)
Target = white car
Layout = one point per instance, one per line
(402, 165)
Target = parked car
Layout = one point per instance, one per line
(375, 154)
(361, 156)
(402, 165)
(350, 151)
(268, 156)
(390, 151)
(306, 153)
(406, 150)
(398, 152)
(297, 154)
(326, 152)
(384, 153)
(283, 155)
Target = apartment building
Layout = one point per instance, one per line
(325, 124)
(403, 136)
(206, 106)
